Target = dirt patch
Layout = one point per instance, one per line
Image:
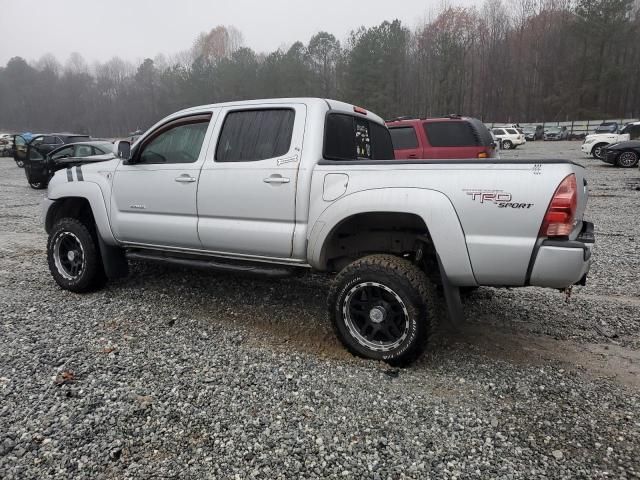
(610, 361)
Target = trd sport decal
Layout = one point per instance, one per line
(496, 197)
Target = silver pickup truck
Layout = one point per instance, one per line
(276, 186)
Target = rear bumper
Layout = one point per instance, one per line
(562, 263)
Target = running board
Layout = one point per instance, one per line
(211, 264)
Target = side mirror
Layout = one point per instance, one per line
(124, 150)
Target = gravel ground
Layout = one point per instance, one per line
(179, 374)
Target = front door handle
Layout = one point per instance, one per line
(413, 155)
(185, 178)
(276, 179)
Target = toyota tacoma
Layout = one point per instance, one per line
(276, 186)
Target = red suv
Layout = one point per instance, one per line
(442, 138)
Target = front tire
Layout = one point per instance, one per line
(383, 307)
(597, 151)
(507, 145)
(38, 185)
(20, 163)
(627, 160)
(73, 257)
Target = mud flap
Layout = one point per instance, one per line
(114, 260)
(452, 297)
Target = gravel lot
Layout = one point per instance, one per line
(181, 374)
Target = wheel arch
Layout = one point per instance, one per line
(406, 216)
(83, 200)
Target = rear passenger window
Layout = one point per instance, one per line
(450, 134)
(403, 138)
(252, 135)
(511, 131)
(348, 137)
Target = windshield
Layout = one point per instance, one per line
(607, 128)
(553, 130)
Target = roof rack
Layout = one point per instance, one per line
(404, 117)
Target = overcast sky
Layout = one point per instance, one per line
(135, 29)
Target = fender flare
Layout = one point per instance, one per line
(434, 207)
(93, 194)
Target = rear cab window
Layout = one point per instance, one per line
(348, 137)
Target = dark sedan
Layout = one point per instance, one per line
(622, 154)
(39, 168)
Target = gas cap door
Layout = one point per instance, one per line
(335, 185)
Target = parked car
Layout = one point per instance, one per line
(607, 127)
(532, 133)
(282, 185)
(556, 133)
(509, 137)
(448, 137)
(577, 136)
(44, 143)
(593, 144)
(6, 144)
(40, 168)
(622, 154)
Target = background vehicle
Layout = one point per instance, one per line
(39, 168)
(447, 137)
(313, 184)
(594, 143)
(607, 127)
(44, 143)
(48, 142)
(6, 144)
(509, 137)
(532, 133)
(622, 154)
(556, 133)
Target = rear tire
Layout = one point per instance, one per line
(385, 308)
(627, 160)
(507, 145)
(74, 257)
(38, 185)
(20, 163)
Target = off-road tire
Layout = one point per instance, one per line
(418, 295)
(507, 145)
(91, 275)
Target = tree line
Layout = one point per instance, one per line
(517, 61)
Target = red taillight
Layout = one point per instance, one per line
(560, 218)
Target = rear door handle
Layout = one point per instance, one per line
(185, 178)
(413, 155)
(276, 179)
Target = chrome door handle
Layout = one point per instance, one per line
(277, 179)
(185, 179)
